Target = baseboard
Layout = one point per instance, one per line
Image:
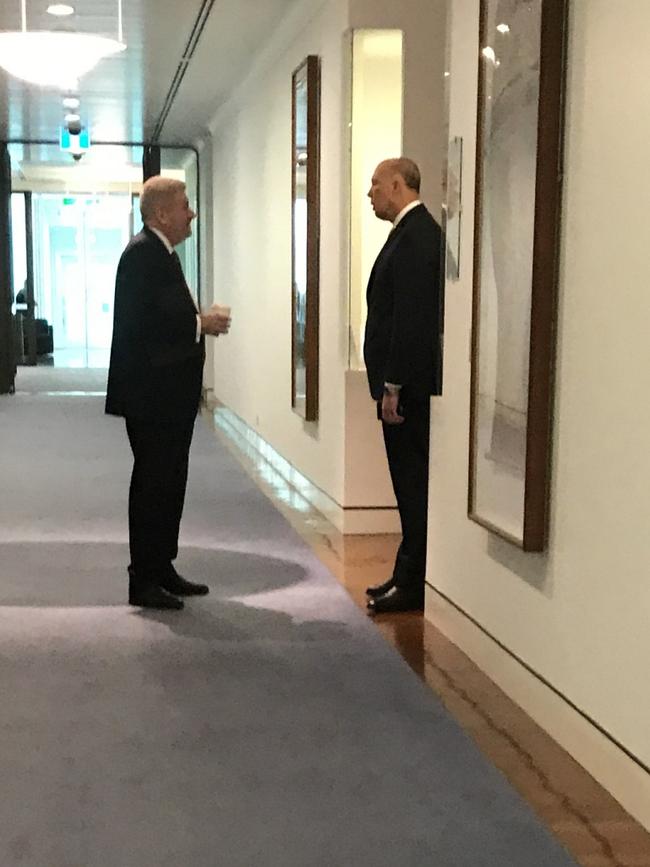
(350, 521)
(370, 522)
(625, 780)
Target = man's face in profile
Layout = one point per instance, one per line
(381, 191)
(178, 218)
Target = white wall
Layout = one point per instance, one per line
(206, 221)
(579, 614)
(252, 250)
(424, 26)
(251, 182)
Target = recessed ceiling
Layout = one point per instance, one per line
(138, 95)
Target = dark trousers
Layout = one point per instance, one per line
(157, 493)
(407, 450)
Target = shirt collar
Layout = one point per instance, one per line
(405, 211)
(163, 238)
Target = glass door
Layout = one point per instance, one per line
(77, 244)
(22, 280)
(106, 229)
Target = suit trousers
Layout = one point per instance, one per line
(157, 493)
(407, 450)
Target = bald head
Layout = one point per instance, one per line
(395, 183)
(164, 206)
(406, 169)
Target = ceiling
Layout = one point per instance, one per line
(183, 59)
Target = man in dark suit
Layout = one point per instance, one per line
(154, 382)
(402, 351)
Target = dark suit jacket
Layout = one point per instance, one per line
(156, 364)
(403, 338)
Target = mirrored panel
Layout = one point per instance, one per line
(305, 237)
(515, 265)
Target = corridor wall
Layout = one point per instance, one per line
(206, 261)
(252, 245)
(577, 615)
(342, 453)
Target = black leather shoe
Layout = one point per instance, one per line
(179, 586)
(380, 589)
(397, 599)
(153, 597)
(175, 584)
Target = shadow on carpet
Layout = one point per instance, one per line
(69, 574)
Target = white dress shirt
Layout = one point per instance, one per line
(405, 211)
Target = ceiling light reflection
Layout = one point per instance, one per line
(60, 9)
(488, 53)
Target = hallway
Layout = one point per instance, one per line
(268, 724)
(275, 722)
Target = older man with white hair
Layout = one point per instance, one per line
(154, 383)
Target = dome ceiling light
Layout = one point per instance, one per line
(55, 58)
(60, 9)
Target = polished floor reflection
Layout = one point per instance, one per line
(590, 823)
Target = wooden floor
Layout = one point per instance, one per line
(590, 823)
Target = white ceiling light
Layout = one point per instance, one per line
(55, 58)
(71, 102)
(60, 9)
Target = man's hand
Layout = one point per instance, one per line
(214, 323)
(389, 409)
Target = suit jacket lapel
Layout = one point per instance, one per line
(393, 235)
(388, 243)
(176, 264)
(171, 259)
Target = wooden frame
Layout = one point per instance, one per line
(305, 236)
(516, 232)
(452, 208)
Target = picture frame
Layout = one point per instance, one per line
(305, 236)
(453, 207)
(516, 239)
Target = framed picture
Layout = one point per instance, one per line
(305, 236)
(452, 207)
(517, 211)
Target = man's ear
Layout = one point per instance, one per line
(161, 214)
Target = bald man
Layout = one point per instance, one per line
(154, 383)
(402, 352)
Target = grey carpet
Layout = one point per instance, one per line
(47, 378)
(268, 724)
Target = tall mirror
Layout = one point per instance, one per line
(305, 237)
